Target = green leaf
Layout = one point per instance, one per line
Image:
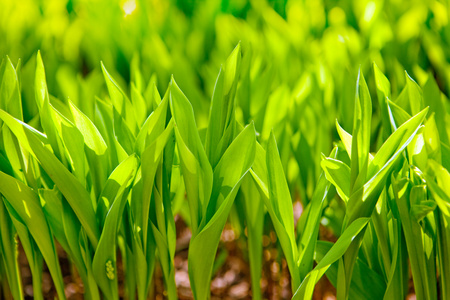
(305, 290)
(398, 115)
(254, 217)
(310, 233)
(66, 182)
(396, 143)
(105, 124)
(66, 228)
(438, 188)
(361, 134)
(280, 208)
(104, 262)
(196, 169)
(41, 92)
(96, 148)
(47, 114)
(259, 170)
(10, 99)
(92, 137)
(32, 253)
(51, 202)
(338, 173)
(120, 176)
(140, 109)
(221, 115)
(120, 101)
(122, 133)
(384, 94)
(153, 126)
(362, 202)
(443, 240)
(347, 140)
(420, 205)
(8, 251)
(363, 276)
(432, 139)
(151, 160)
(163, 227)
(432, 97)
(143, 266)
(25, 202)
(73, 141)
(231, 169)
(415, 95)
(151, 94)
(124, 121)
(421, 266)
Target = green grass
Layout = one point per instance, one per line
(99, 157)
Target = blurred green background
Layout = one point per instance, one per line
(191, 38)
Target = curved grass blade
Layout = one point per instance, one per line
(196, 169)
(67, 229)
(120, 101)
(8, 253)
(280, 209)
(254, 216)
(310, 233)
(104, 262)
(361, 134)
(10, 96)
(228, 174)
(338, 173)
(221, 126)
(305, 290)
(25, 202)
(33, 255)
(151, 159)
(70, 187)
(384, 94)
(363, 276)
